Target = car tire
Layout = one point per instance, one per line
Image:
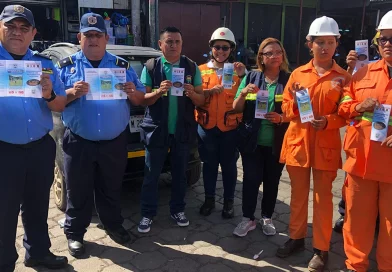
(59, 189)
(193, 174)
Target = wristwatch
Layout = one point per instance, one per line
(51, 98)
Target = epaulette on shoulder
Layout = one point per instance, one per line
(65, 62)
(122, 63)
(41, 55)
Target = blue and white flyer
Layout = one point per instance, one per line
(105, 83)
(177, 88)
(304, 106)
(261, 104)
(362, 49)
(380, 123)
(20, 78)
(228, 72)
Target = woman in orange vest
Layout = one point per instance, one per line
(260, 140)
(312, 141)
(368, 145)
(218, 122)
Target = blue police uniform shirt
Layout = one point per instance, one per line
(27, 119)
(95, 120)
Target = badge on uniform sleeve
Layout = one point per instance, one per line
(47, 71)
(72, 70)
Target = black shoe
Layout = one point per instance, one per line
(208, 206)
(319, 261)
(228, 209)
(119, 235)
(75, 248)
(290, 247)
(50, 261)
(339, 225)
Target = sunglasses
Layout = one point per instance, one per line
(224, 48)
(383, 41)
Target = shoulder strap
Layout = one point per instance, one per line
(122, 63)
(65, 62)
(150, 65)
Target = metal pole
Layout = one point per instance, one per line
(378, 18)
(299, 30)
(363, 17)
(151, 21)
(136, 22)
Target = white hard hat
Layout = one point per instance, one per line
(223, 34)
(386, 21)
(323, 26)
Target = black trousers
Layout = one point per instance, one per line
(260, 166)
(26, 175)
(93, 171)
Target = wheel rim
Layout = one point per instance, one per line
(58, 184)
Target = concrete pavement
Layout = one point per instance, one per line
(207, 245)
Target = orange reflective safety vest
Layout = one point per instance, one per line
(365, 158)
(304, 146)
(218, 109)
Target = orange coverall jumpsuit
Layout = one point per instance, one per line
(305, 148)
(369, 180)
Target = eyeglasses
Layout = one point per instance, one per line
(383, 41)
(271, 54)
(96, 35)
(224, 48)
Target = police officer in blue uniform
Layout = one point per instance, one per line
(96, 136)
(169, 122)
(27, 151)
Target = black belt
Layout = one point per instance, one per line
(30, 144)
(99, 141)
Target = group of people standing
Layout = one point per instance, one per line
(221, 119)
(279, 139)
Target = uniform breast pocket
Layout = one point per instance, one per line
(365, 89)
(229, 99)
(70, 81)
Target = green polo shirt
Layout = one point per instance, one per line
(173, 103)
(266, 132)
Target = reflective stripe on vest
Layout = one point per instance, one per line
(368, 116)
(345, 99)
(253, 96)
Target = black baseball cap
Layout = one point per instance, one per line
(92, 21)
(17, 11)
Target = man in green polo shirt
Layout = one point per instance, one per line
(169, 123)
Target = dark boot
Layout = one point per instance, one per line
(290, 247)
(319, 261)
(339, 225)
(208, 206)
(228, 209)
(50, 261)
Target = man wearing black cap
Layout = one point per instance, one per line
(96, 135)
(27, 152)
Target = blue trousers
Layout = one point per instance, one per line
(93, 171)
(26, 175)
(155, 159)
(217, 147)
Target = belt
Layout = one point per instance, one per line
(30, 144)
(99, 141)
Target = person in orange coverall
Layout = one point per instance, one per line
(314, 145)
(369, 181)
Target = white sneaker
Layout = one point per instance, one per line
(244, 227)
(268, 226)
